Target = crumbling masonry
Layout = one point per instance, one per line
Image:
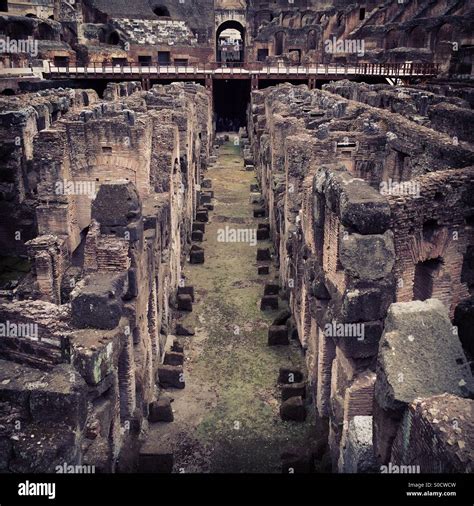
(113, 188)
(373, 271)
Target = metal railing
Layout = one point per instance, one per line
(241, 69)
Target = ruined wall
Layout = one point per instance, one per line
(300, 32)
(21, 118)
(115, 196)
(449, 115)
(350, 242)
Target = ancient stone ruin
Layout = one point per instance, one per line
(228, 246)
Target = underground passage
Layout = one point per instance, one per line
(227, 250)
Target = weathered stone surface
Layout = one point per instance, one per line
(269, 302)
(160, 411)
(410, 364)
(290, 376)
(263, 254)
(199, 227)
(357, 452)
(173, 358)
(185, 302)
(263, 234)
(293, 390)
(197, 236)
(438, 434)
(186, 290)
(368, 257)
(97, 301)
(293, 409)
(177, 346)
(277, 335)
(171, 376)
(271, 289)
(202, 215)
(196, 255)
(115, 207)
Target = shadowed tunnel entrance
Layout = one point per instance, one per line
(231, 98)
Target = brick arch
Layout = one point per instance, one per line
(308, 18)
(106, 170)
(312, 40)
(291, 20)
(441, 35)
(418, 37)
(115, 167)
(392, 39)
(279, 43)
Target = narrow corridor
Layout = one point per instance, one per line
(227, 417)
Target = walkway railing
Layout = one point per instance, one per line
(240, 70)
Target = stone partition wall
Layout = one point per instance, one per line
(350, 244)
(115, 193)
(450, 115)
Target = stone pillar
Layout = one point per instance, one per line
(47, 255)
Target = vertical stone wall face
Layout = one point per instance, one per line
(115, 192)
(352, 247)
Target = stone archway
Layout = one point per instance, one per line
(230, 42)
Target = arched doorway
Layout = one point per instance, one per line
(230, 42)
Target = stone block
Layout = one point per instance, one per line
(183, 330)
(277, 335)
(171, 376)
(160, 411)
(177, 346)
(293, 390)
(202, 215)
(293, 409)
(199, 227)
(357, 451)
(368, 257)
(263, 255)
(271, 289)
(173, 358)
(197, 236)
(185, 302)
(186, 290)
(289, 376)
(269, 302)
(96, 302)
(196, 255)
(263, 234)
(259, 212)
